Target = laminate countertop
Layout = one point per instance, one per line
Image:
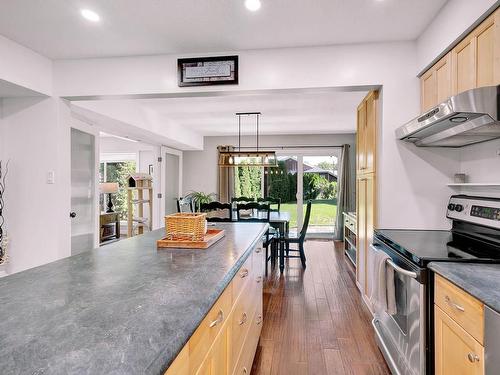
(479, 280)
(125, 308)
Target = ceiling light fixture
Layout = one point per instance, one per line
(250, 158)
(253, 5)
(90, 15)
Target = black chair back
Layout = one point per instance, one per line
(272, 201)
(303, 231)
(217, 211)
(253, 212)
(242, 199)
(185, 205)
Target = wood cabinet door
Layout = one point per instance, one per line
(371, 132)
(361, 193)
(442, 71)
(487, 57)
(369, 226)
(361, 138)
(464, 65)
(457, 352)
(428, 90)
(216, 361)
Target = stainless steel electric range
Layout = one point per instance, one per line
(405, 338)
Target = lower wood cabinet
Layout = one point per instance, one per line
(458, 329)
(226, 341)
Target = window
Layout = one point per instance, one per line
(117, 171)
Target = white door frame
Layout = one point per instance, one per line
(163, 177)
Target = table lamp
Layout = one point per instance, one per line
(109, 188)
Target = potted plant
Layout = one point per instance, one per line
(3, 235)
(199, 198)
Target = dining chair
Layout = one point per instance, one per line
(272, 202)
(217, 211)
(260, 212)
(298, 239)
(185, 205)
(242, 200)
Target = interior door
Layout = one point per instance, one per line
(83, 174)
(171, 182)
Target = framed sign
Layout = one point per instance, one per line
(206, 71)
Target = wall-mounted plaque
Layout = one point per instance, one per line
(205, 71)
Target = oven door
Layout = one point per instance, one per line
(401, 336)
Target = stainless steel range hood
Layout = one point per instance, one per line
(464, 119)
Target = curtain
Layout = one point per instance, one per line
(344, 202)
(226, 178)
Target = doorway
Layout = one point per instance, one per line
(83, 207)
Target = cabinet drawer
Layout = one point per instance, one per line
(258, 263)
(241, 277)
(205, 334)
(244, 365)
(242, 316)
(466, 310)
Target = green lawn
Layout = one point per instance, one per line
(322, 213)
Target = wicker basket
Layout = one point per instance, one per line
(186, 226)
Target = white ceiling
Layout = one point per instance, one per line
(322, 112)
(56, 29)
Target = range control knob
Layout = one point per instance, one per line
(459, 208)
(451, 207)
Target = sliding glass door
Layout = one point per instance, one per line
(309, 175)
(320, 185)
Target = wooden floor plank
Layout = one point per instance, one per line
(315, 321)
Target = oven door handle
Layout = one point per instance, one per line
(398, 269)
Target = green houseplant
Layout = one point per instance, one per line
(199, 198)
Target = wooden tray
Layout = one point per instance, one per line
(212, 236)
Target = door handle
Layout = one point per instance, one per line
(72, 214)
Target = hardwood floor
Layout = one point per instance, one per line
(315, 321)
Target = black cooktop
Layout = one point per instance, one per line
(424, 246)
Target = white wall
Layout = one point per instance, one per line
(481, 163)
(36, 213)
(450, 23)
(24, 67)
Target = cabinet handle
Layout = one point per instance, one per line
(259, 319)
(258, 279)
(473, 357)
(245, 371)
(453, 304)
(258, 250)
(243, 320)
(219, 319)
(244, 273)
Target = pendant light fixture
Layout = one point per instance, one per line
(251, 157)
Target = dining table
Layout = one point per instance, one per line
(278, 220)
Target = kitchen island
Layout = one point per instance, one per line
(126, 308)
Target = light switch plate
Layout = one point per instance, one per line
(51, 177)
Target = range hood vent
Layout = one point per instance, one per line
(464, 119)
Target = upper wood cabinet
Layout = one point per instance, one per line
(436, 83)
(473, 62)
(366, 143)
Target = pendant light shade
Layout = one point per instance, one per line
(249, 158)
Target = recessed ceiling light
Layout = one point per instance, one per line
(90, 15)
(252, 5)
